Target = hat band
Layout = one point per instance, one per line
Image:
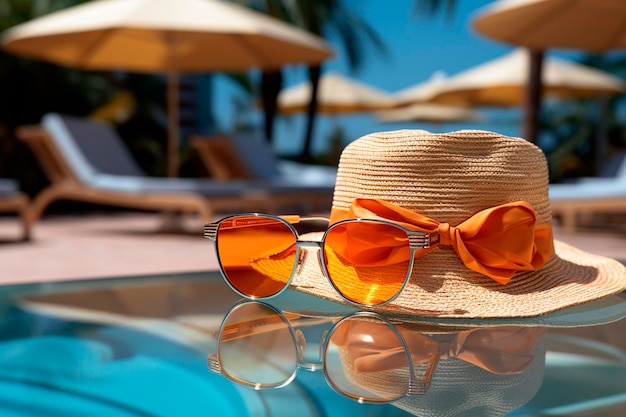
(505, 350)
(495, 242)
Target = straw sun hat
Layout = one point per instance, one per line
(484, 372)
(449, 178)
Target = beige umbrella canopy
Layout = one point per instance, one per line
(423, 91)
(502, 82)
(412, 105)
(164, 36)
(431, 113)
(593, 25)
(336, 94)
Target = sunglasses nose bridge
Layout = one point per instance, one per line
(301, 260)
(304, 254)
(300, 344)
(323, 345)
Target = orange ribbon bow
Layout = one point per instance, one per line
(499, 350)
(495, 242)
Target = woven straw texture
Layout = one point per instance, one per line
(450, 177)
(459, 388)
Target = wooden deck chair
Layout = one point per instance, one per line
(218, 158)
(12, 200)
(250, 156)
(87, 161)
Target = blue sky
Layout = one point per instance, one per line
(418, 47)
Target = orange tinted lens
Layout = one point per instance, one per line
(367, 261)
(366, 360)
(257, 254)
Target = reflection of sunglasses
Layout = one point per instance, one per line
(259, 347)
(368, 261)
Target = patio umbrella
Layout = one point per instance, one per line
(412, 105)
(501, 82)
(593, 25)
(421, 92)
(431, 113)
(164, 36)
(336, 94)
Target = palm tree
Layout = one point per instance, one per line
(320, 17)
(430, 8)
(31, 88)
(577, 136)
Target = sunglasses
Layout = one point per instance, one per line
(259, 347)
(368, 261)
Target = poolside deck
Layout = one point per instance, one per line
(124, 244)
(98, 246)
(114, 244)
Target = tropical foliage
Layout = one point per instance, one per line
(323, 18)
(32, 88)
(579, 137)
(582, 137)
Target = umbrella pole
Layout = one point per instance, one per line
(314, 76)
(532, 98)
(172, 124)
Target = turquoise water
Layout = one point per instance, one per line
(50, 366)
(140, 355)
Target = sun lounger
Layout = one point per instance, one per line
(588, 195)
(12, 200)
(87, 161)
(250, 156)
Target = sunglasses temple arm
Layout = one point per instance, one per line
(422, 240)
(433, 239)
(262, 325)
(210, 229)
(233, 331)
(421, 385)
(213, 363)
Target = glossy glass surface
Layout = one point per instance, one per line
(138, 346)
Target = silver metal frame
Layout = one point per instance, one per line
(416, 385)
(417, 241)
(214, 361)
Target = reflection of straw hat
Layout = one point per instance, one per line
(602, 311)
(449, 178)
(482, 372)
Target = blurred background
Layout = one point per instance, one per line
(390, 46)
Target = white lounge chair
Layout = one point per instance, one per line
(87, 161)
(250, 156)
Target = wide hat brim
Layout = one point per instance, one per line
(580, 274)
(594, 313)
(462, 388)
(452, 180)
(573, 289)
